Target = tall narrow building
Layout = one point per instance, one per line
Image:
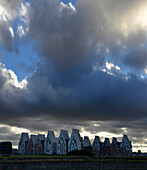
(62, 144)
(23, 142)
(39, 145)
(126, 144)
(86, 142)
(31, 145)
(106, 142)
(75, 141)
(96, 146)
(50, 144)
(114, 142)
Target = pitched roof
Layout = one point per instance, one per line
(64, 134)
(86, 142)
(25, 136)
(114, 142)
(34, 138)
(106, 142)
(125, 140)
(41, 137)
(76, 133)
(51, 136)
(97, 139)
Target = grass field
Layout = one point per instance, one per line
(44, 158)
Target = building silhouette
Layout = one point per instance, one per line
(50, 145)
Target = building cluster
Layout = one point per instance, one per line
(50, 145)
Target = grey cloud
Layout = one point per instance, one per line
(94, 96)
(97, 96)
(9, 12)
(136, 59)
(65, 85)
(6, 134)
(4, 130)
(67, 38)
(10, 5)
(5, 36)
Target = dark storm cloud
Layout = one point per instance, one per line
(65, 85)
(87, 99)
(94, 96)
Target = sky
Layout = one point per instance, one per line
(74, 64)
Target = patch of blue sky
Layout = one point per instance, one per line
(64, 1)
(67, 1)
(22, 63)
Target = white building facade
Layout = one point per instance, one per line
(62, 144)
(31, 145)
(75, 141)
(39, 145)
(23, 142)
(127, 145)
(50, 144)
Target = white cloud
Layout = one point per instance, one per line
(109, 66)
(23, 12)
(71, 6)
(20, 31)
(8, 10)
(11, 31)
(117, 67)
(11, 78)
(145, 70)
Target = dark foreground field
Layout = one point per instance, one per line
(71, 162)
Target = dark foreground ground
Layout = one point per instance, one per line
(71, 163)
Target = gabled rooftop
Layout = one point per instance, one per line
(64, 134)
(106, 142)
(86, 142)
(125, 140)
(76, 133)
(41, 137)
(25, 137)
(97, 139)
(51, 136)
(114, 142)
(34, 138)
